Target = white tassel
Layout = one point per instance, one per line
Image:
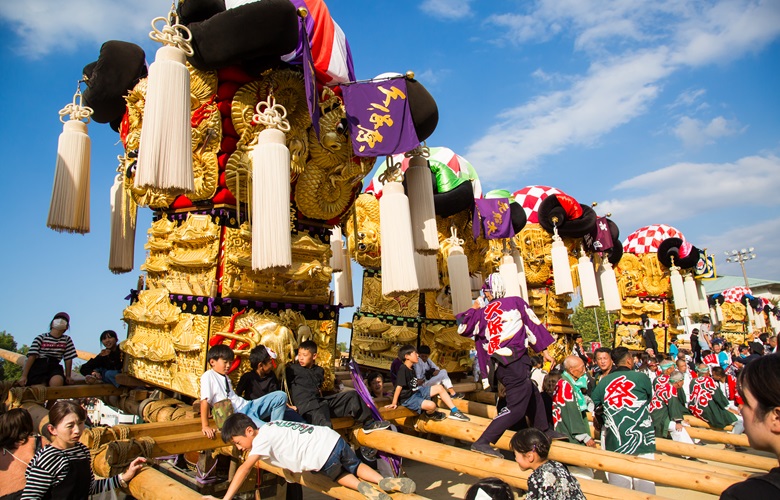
(750, 316)
(760, 322)
(427, 270)
(123, 221)
(609, 287)
(337, 250)
(520, 265)
(398, 271)
(719, 312)
(508, 271)
(678, 289)
(701, 292)
(774, 323)
(561, 269)
(691, 294)
(588, 289)
(343, 280)
(165, 149)
(458, 269)
(271, 242)
(420, 186)
(476, 282)
(714, 316)
(69, 207)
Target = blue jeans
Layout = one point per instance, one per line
(269, 407)
(108, 375)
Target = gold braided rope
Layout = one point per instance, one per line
(19, 395)
(74, 110)
(164, 410)
(123, 453)
(172, 33)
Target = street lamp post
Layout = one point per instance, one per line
(741, 256)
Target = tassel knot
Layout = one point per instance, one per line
(172, 33)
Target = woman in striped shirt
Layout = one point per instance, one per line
(63, 469)
(46, 353)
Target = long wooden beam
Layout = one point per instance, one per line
(477, 465)
(697, 422)
(151, 484)
(718, 436)
(588, 457)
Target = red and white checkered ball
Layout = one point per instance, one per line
(530, 197)
(647, 239)
(735, 294)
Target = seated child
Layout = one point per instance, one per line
(416, 397)
(550, 480)
(428, 374)
(301, 447)
(305, 379)
(106, 365)
(43, 365)
(261, 380)
(376, 384)
(215, 387)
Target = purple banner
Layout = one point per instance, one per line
(495, 216)
(309, 79)
(600, 238)
(380, 121)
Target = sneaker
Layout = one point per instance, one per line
(375, 425)
(458, 395)
(552, 435)
(402, 484)
(369, 491)
(436, 416)
(369, 454)
(486, 449)
(456, 414)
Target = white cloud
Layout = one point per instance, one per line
(688, 98)
(696, 133)
(633, 47)
(762, 235)
(447, 9)
(42, 26)
(658, 195)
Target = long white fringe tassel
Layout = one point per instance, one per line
(165, 150)
(69, 207)
(520, 273)
(587, 275)
(561, 268)
(750, 316)
(719, 312)
(271, 241)
(420, 186)
(336, 249)
(678, 289)
(774, 323)
(691, 294)
(398, 271)
(609, 287)
(123, 223)
(476, 284)
(760, 322)
(458, 273)
(426, 266)
(508, 271)
(714, 316)
(343, 281)
(701, 293)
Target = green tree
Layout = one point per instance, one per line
(588, 323)
(10, 371)
(343, 348)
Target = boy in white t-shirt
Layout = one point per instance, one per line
(301, 447)
(215, 386)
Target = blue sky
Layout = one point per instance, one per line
(663, 112)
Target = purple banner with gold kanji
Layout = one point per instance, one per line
(496, 218)
(380, 121)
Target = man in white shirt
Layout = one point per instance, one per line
(428, 374)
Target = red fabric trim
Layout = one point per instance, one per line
(570, 205)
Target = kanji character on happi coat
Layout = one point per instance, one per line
(709, 404)
(569, 407)
(503, 329)
(727, 383)
(667, 408)
(625, 396)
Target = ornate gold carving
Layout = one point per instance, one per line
(364, 247)
(535, 246)
(153, 307)
(374, 302)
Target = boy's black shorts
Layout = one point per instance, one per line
(342, 460)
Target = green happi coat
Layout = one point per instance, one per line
(566, 414)
(709, 403)
(665, 406)
(626, 396)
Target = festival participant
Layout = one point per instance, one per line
(772, 343)
(537, 371)
(261, 380)
(696, 346)
(417, 397)
(19, 444)
(727, 384)
(503, 330)
(550, 480)
(570, 407)
(428, 374)
(604, 362)
(760, 390)
(107, 364)
(63, 469)
(674, 350)
(682, 367)
(301, 447)
(305, 379)
(376, 385)
(648, 334)
(667, 409)
(579, 350)
(625, 396)
(709, 404)
(45, 354)
(217, 389)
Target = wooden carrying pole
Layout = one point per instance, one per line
(587, 457)
(718, 436)
(151, 484)
(477, 465)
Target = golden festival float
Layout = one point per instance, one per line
(250, 138)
